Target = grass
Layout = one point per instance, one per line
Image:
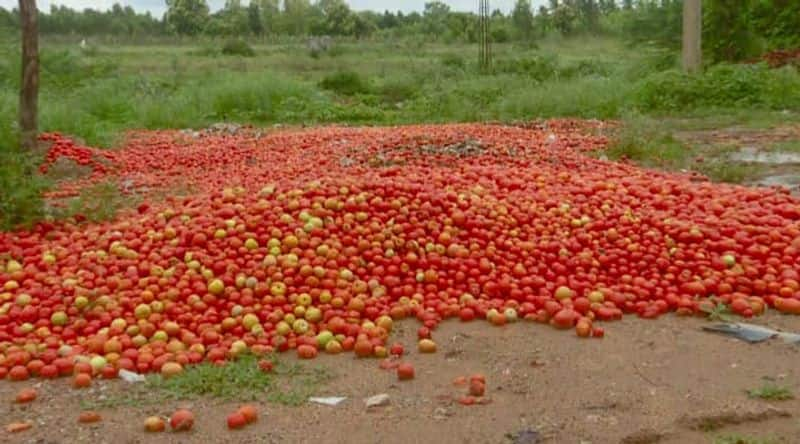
(98, 95)
(742, 439)
(649, 144)
(240, 380)
(792, 146)
(719, 312)
(771, 392)
(720, 170)
(97, 203)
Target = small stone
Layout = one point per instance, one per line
(441, 413)
(377, 400)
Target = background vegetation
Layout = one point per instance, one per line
(255, 64)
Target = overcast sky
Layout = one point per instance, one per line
(157, 7)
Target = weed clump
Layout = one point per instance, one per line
(238, 47)
(348, 83)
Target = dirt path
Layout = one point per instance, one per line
(662, 381)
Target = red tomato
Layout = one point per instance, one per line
(405, 372)
(236, 420)
(181, 420)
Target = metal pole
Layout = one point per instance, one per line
(29, 88)
(484, 22)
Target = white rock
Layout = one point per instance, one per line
(377, 400)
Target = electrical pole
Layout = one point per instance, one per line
(692, 36)
(29, 87)
(485, 50)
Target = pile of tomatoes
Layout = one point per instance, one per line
(316, 240)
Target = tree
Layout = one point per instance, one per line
(588, 12)
(29, 90)
(7, 20)
(337, 19)
(186, 17)
(434, 18)
(254, 18)
(388, 20)
(270, 15)
(778, 21)
(522, 18)
(727, 30)
(627, 5)
(564, 18)
(296, 15)
(366, 22)
(543, 22)
(607, 6)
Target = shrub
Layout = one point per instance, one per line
(398, 89)
(452, 60)
(538, 67)
(347, 83)
(21, 202)
(721, 86)
(584, 68)
(336, 51)
(238, 47)
(252, 99)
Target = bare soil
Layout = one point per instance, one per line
(663, 381)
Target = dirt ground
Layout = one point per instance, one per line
(663, 381)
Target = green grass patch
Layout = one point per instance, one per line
(720, 170)
(718, 312)
(742, 439)
(771, 392)
(240, 380)
(650, 145)
(21, 202)
(97, 203)
(348, 83)
(238, 47)
(792, 146)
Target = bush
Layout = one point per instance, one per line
(398, 89)
(721, 86)
(538, 67)
(348, 83)
(238, 47)
(336, 51)
(21, 202)
(452, 60)
(248, 98)
(585, 68)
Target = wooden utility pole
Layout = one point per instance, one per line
(29, 88)
(692, 35)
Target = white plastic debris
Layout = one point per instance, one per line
(752, 333)
(377, 400)
(131, 377)
(330, 400)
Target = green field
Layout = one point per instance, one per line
(98, 92)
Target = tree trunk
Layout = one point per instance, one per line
(29, 90)
(692, 34)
